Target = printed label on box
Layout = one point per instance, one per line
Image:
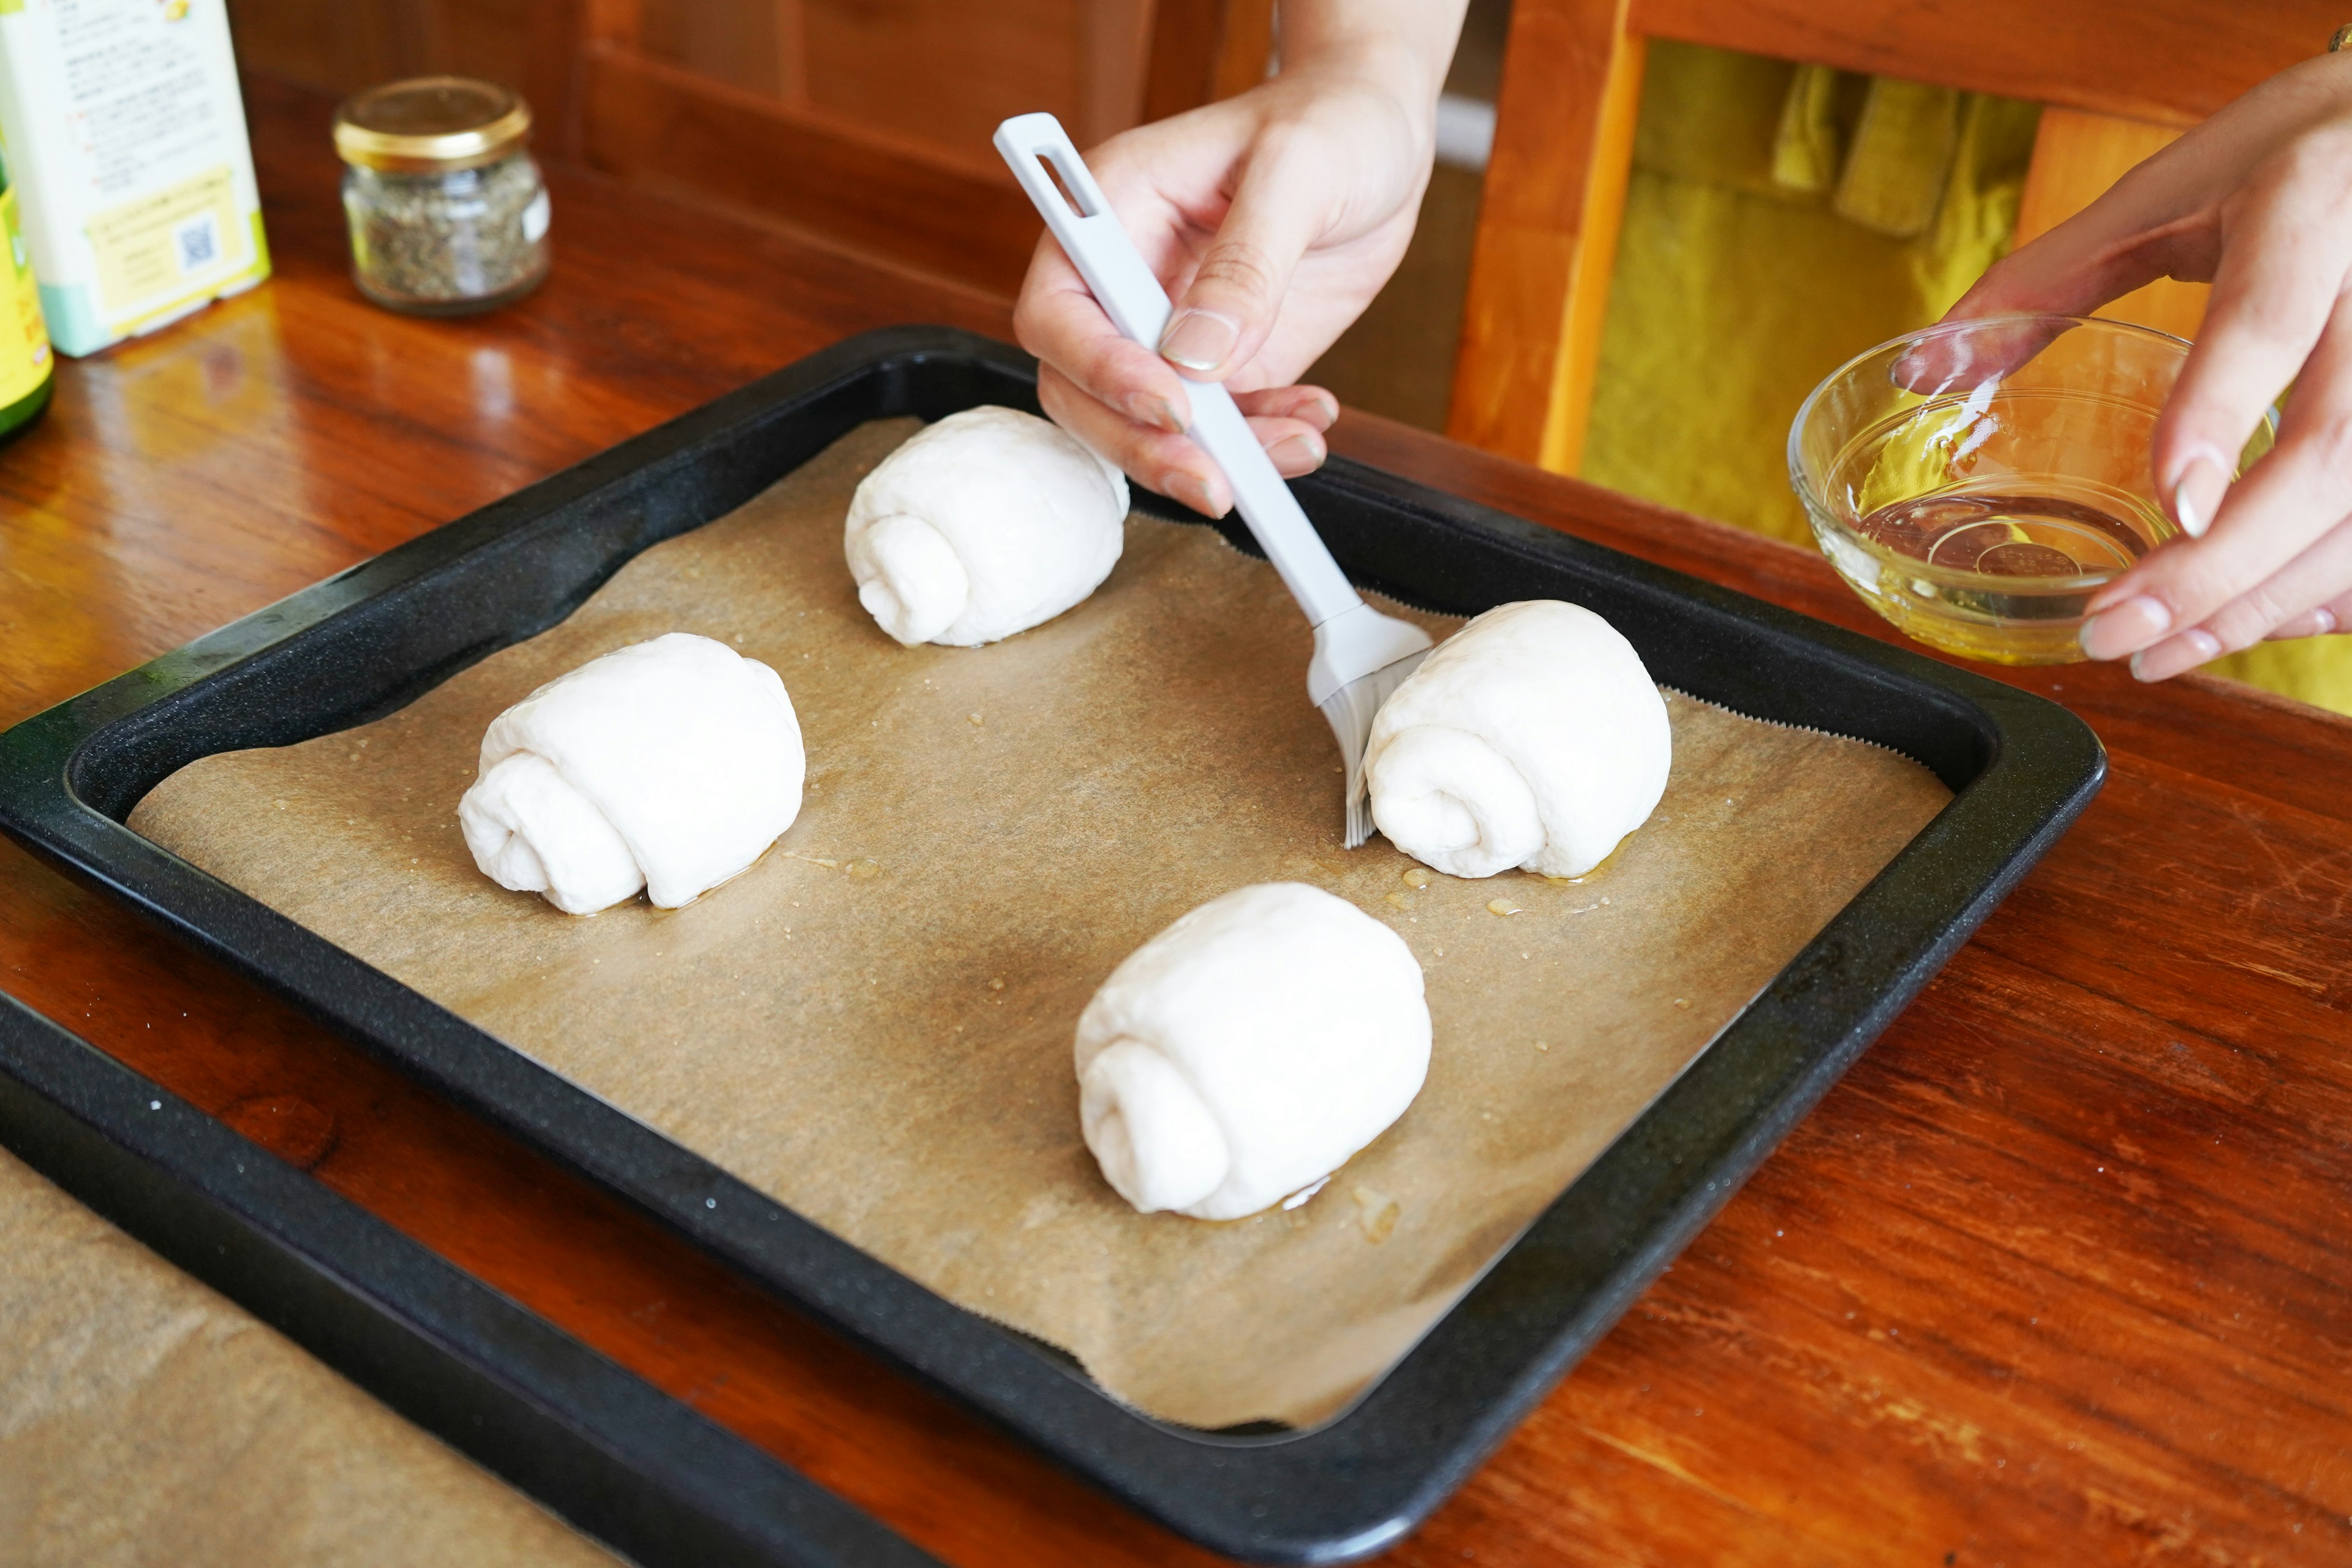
(162, 242)
(128, 153)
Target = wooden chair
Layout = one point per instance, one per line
(2118, 79)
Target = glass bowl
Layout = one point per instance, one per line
(1976, 482)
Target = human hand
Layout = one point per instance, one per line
(1272, 218)
(2258, 200)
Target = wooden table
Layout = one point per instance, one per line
(2061, 1274)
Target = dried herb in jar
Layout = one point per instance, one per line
(448, 211)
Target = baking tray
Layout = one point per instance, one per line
(364, 643)
(615, 1456)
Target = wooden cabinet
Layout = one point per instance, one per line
(344, 44)
(940, 72)
(865, 122)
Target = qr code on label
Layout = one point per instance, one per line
(199, 242)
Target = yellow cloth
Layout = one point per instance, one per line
(1775, 227)
(1780, 220)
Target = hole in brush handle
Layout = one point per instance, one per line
(1063, 187)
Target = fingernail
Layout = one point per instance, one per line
(1200, 339)
(2317, 622)
(2126, 629)
(1150, 408)
(2198, 490)
(2166, 660)
(1331, 409)
(1303, 453)
(1192, 490)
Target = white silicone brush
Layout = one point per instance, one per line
(1361, 654)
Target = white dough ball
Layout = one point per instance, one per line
(984, 524)
(1532, 737)
(669, 765)
(1248, 1050)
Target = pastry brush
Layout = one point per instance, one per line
(1361, 654)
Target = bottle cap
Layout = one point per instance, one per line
(431, 124)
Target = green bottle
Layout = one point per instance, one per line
(28, 369)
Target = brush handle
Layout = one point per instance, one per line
(1096, 244)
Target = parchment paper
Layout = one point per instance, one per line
(874, 1024)
(146, 1420)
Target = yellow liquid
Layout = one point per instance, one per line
(2008, 535)
(2003, 571)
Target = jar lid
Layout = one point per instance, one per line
(429, 124)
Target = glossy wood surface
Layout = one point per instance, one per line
(2059, 1273)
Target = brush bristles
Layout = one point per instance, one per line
(1350, 712)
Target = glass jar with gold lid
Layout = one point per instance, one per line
(448, 215)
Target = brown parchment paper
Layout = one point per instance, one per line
(874, 1024)
(145, 1420)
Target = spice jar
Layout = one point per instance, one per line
(448, 215)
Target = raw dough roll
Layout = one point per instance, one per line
(1532, 737)
(669, 765)
(1248, 1050)
(982, 525)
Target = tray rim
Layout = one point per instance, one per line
(1336, 1492)
(614, 1455)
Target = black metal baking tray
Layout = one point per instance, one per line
(611, 1453)
(364, 643)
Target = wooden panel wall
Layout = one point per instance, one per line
(1202, 50)
(861, 121)
(937, 71)
(341, 46)
(885, 197)
(754, 46)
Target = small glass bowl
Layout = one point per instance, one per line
(1976, 483)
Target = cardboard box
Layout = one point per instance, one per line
(132, 171)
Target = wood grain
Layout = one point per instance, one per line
(1547, 238)
(2174, 61)
(758, 48)
(529, 45)
(2058, 1275)
(947, 72)
(867, 124)
(668, 129)
(1202, 50)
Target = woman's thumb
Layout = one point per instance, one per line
(1235, 294)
